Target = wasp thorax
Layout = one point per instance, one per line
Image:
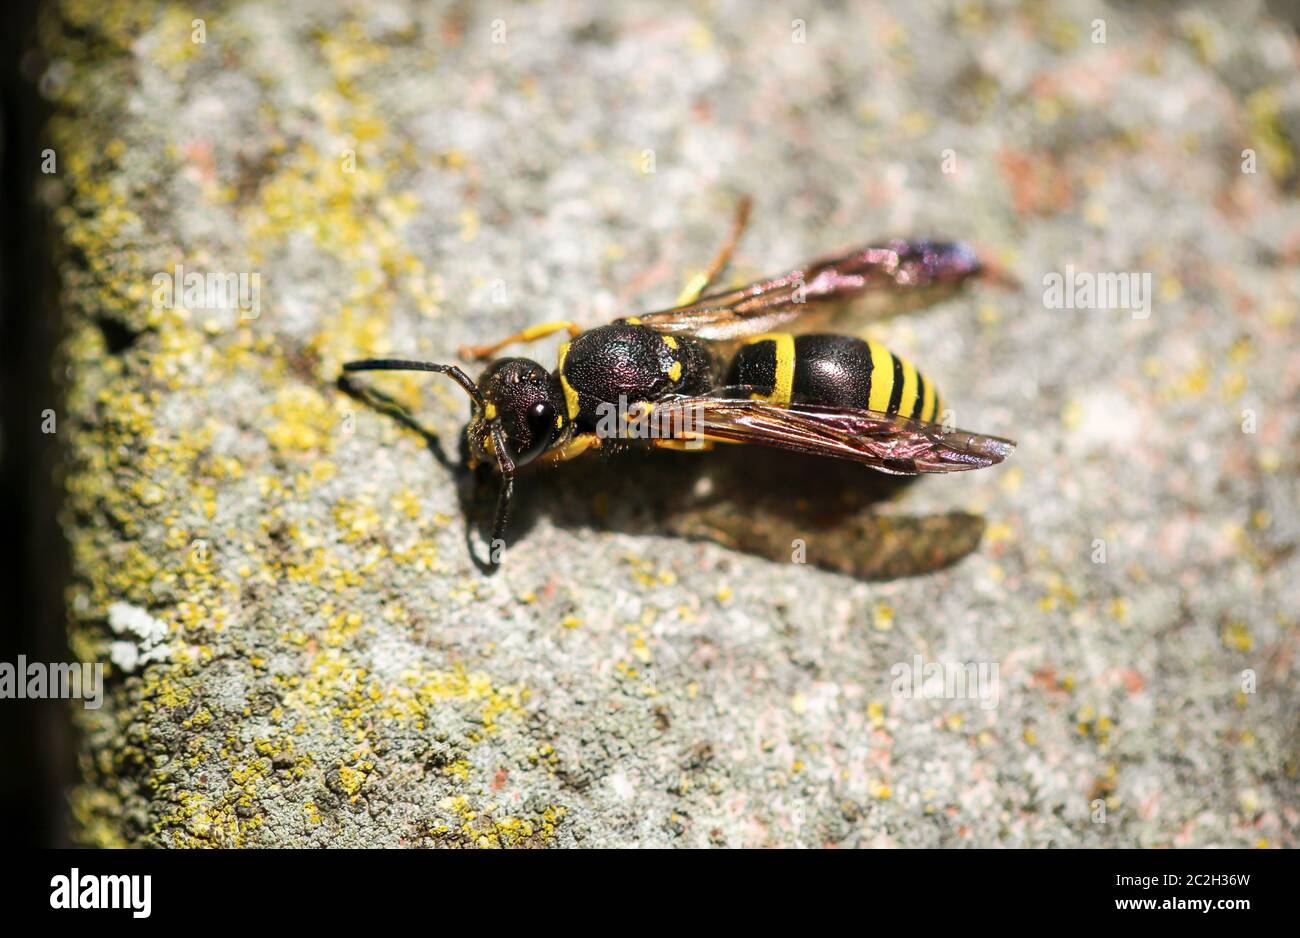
(527, 402)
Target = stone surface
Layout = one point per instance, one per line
(405, 178)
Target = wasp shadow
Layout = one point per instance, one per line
(469, 484)
(389, 406)
(785, 507)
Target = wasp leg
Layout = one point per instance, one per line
(570, 450)
(531, 334)
(700, 282)
(684, 446)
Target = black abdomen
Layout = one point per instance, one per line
(835, 370)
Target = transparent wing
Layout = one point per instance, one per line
(897, 275)
(892, 444)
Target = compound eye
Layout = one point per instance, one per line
(541, 423)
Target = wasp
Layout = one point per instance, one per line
(752, 365)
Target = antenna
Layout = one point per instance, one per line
(505, 464)
(401, 364)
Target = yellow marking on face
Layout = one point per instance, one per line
(882, 377)
(559, 421)
(675, 372)
(784, 386)
(490, 411)
(633, 320)
(908, 399)
(928, 402)
(570, 395)
(670, 342)
(575, 447)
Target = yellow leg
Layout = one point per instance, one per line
(572, 449)
(531, 334)
(685, 446)
(700, 282)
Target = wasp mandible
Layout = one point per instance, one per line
(742, 366)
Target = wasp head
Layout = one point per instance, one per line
(526, 402)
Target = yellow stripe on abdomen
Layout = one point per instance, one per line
(928, 402)
(907, 402)
(882, 377)
(783, 388)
